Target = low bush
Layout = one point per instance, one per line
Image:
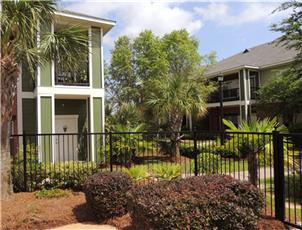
(203, 202)
(137, 173)
(68, 174)
(51, 193)
(106, 193)
(166, 171)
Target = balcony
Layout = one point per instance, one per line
(228, 95)
(254, 92)
(72, 78)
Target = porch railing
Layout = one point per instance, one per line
(228, 95)
(72, 78)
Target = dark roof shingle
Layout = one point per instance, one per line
(259, 56)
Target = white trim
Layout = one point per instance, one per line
(245, 92)
(39, 127)
(225, 103)
(248, 84)
(19, 102)
(30, 95)
(91, 127)
(70, 91)
(90, 55)
(86, 18)
(276, 64)
(229, 71)
(53, 127)
(38, 80)
(102, 59)
(103, 114)
(71, 116)
(238, 74)
(52, 62)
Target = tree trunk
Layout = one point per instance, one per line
(175, 122)
(9, 77)
(252, 168)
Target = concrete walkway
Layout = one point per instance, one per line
(85, 226)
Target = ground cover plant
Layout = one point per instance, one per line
(52, 193)
(68, 174)
(205, 202)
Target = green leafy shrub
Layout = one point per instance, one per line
(51, 193)
(68, 174)
(208, 163)
(166, 171)
(106, 193)
(203, 202)
(137, 173)
(227, 150)
(297, 139)
(293, 186)
(188, 152)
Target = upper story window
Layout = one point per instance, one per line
(254, 84)
(77, 75)
(230, 89)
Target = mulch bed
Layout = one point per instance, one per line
(25, 211)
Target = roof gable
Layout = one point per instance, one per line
(267, 54)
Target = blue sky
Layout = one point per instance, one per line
(223, 26)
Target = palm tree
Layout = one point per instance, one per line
(250, 144)
(172, 97)
(20, 22)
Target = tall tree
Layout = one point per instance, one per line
(291, 29)
(284, 94)
(183, 90)
(20, 21)
(123, 79)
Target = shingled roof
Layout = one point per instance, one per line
(268, 54)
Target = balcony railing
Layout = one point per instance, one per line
(228, 95)
(69, 78)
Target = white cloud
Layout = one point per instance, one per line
(132, 18)
(251, 12)
(159, 17)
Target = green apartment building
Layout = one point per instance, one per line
(56, 101)
(243, 74)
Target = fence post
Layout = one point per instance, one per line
(110, 150)
(279, 176)
(195, 153)
(24, 163)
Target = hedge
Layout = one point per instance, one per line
(106, 193)
(203, 202)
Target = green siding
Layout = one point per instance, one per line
(46, 127)
(28, 83)
(72, 107)
(268, 75)
(97, 114)
(45, 79)
(97, 123)
(96, 58)
(29, 118)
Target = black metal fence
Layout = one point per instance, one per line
(271, 161)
